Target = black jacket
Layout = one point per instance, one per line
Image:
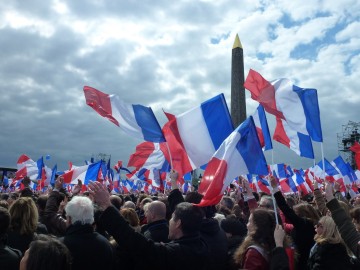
(158, 231)
(329, 256)
(89, 249)
(9, 258)
(20, 241)
(302, 234)
(217, 242)
(212, 234)
(188, 252)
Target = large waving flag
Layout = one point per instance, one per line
(194, 136)
(26, 167)
(239, 154)
(136, 120)
(298, 106)
(262, 128)
(84, 173)
(150, 155)
(296, 141)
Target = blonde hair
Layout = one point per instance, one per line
(24, 216)
(330, 232)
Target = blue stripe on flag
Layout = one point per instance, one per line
(92, 172)
(217, 118)
(250, 149)
(305, 145)
(150, 127)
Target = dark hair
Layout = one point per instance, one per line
(355, 214)
(116, 201)
(41, 202)
(190, 216)
(234, 226)
(4, 220)
(305, 210)
(228, 202)
(263, 235)
(193, 197)
(48, 253)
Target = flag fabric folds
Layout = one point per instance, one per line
(296, 141)
(136, 120)
(239, 154)
(297, 106)
(26, 167)
(262, 128)
(150, 155)
(195, 135)
(84, 173)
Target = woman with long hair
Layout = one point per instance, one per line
(303, 216)
(24, 221)
(329, 251)
(254, 252)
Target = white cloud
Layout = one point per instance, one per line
(161, 54)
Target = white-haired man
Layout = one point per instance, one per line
(89, 249)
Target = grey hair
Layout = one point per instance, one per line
(81, 210)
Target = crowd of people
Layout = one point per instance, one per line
(246, 230)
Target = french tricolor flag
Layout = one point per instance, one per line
(150, 155)
(136, 120)
(239, 154)
(297, 106)
(262, 128)
(194, 136)
(84, 173)
(26, 167)
(300, 143)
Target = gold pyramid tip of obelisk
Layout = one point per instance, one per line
(237, 43)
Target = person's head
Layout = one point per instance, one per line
(80, 210)
(261, 227)
(326, 231)
(233, 226)
(355, 215)
(129, 204)
(227, 202)
(144, 202)
(186, 220)
(24, 216)
(116, 201)
(130, 216)
(306, 210)
(41, 202)
(12, 198)
(140, 198)
(46, 253)
(266, 202)
(193, 197)
(155, 211)
(4, 221)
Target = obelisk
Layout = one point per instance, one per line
(238, 105)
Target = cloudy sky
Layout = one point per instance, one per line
(164, 54)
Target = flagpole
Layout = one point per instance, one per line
(272, 156)
(323, 160)
(274, 203)
(168, 148)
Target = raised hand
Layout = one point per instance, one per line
(100, 193)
